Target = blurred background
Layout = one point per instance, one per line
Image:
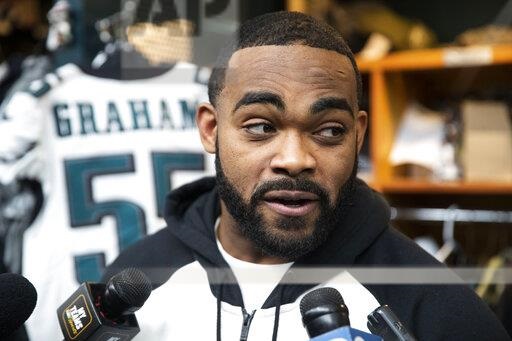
(437, 86)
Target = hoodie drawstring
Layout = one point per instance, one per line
(219, 312)
(277, 313)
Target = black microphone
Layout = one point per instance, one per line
(325, 317)
(101, 312)
(323, 310)
(383, 322)
(17, 301)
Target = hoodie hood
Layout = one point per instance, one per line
(191, 212)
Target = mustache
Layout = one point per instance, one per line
(287, 184)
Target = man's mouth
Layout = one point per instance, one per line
(291, 203)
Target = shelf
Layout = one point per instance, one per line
(366, 66)
(458, 187)
(449, 72)
(297, 6)
(440, 58)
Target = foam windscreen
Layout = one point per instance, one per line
(17, 301)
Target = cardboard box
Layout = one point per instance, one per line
(487, 141)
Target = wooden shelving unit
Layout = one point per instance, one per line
(441, 58)
(397, 79)
(401, 77)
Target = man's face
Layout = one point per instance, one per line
(288, 131)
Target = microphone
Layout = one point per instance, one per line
(325, 317)
(383, 322)
(101, 312)
(17, 301)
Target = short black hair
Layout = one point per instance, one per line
(280, 29)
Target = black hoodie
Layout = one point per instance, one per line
(196, 296)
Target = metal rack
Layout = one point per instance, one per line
(452, 213)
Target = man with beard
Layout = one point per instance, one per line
(285, 125)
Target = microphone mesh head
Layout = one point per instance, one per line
(132, 286)
(320, 297)
(17, 301)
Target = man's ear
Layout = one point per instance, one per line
(206, 118)
(361, 124)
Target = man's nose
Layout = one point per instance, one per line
(293, 156)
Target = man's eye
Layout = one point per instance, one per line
(332, 132)
(260, 128)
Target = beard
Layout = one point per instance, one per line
(286, 237)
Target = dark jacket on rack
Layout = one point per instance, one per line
(194, 300)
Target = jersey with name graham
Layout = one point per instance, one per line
(106, 152)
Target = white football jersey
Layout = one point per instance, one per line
(107, 152)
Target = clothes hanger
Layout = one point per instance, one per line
(111, 31)
(450, 244)
(490, 288)
(119, 59)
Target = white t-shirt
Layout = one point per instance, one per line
(166, 315)
(256, 281)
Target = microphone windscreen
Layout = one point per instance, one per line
(132, 286)
(17, 301)
(320, 297)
